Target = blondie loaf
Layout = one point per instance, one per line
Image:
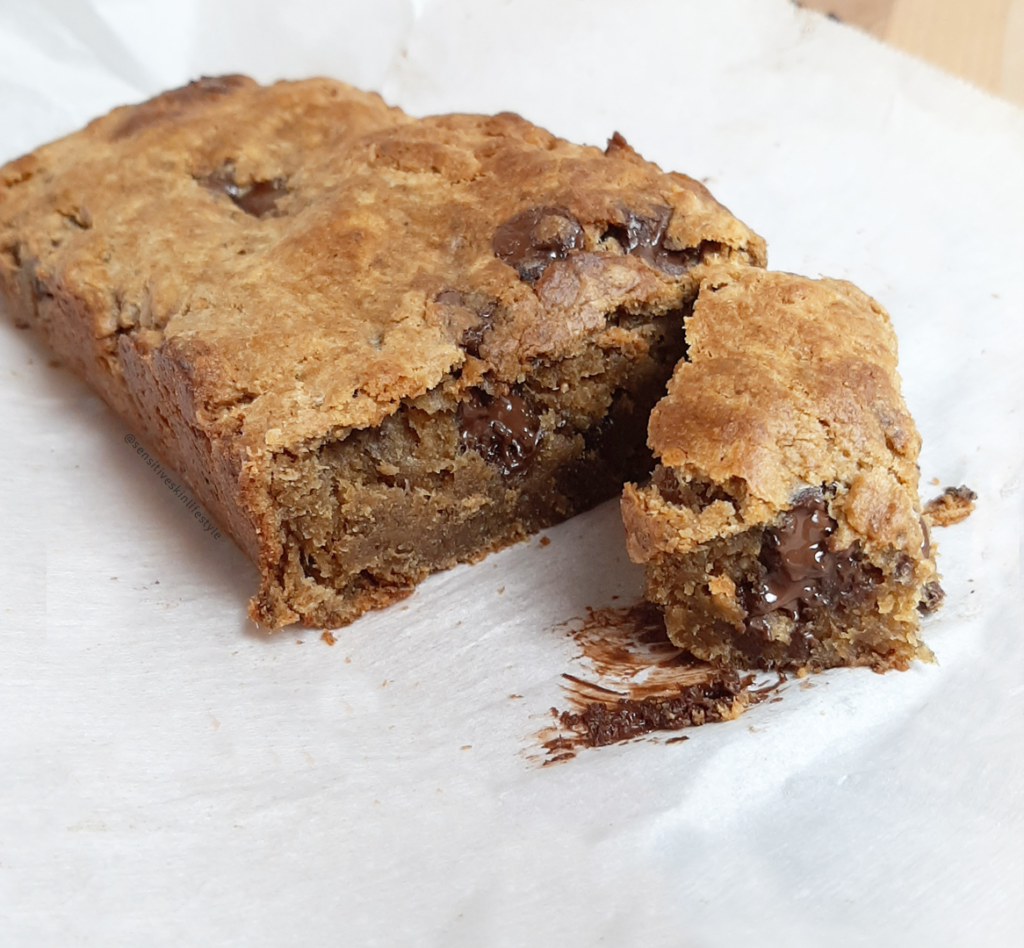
(782, 526)
(374, 346)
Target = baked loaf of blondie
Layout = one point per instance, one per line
(782, 526)
(373, 345)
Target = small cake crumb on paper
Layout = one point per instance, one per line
(952, 506)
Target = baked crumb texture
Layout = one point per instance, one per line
(782, 527)
(952, 506)
(374, 346)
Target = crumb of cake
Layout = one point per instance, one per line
(953, 505)
(782, 527)
(328, 638)
(932, 597)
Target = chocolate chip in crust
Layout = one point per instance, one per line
(644, 237)
(258, 199)
(533, 239)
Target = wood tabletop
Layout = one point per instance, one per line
(979, 40)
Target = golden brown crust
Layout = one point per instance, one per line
(952, 506)
(243, 271)
(790, 383)
(789, 403)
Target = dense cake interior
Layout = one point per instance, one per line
(373, 345)
(785, 594)
(469, 468)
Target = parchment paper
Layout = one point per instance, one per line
(169, 775)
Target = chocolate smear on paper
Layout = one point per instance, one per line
(635, 682)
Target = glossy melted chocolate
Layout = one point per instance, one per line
(800, 568)
(259, 199)
(501, 429)
(533, 239)
(644, 237)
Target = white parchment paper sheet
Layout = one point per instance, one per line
(171, 776)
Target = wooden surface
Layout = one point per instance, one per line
(980, 40)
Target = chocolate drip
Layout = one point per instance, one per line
(258, 199)
(644, 237)
(800, 569)
(533, 239)
(501, 429)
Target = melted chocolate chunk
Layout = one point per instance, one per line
(797, 558)
(501, 429)
(259, 199)
(800, 570)
(533, 239)
(644, 237)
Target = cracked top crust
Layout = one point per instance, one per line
(790, 383)
(310, 257)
